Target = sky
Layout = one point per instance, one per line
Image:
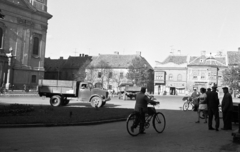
(152, 27)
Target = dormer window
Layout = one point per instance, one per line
(201, 60)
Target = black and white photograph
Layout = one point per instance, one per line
(119, 76)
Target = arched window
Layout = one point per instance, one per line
(179, 77)
(170, 77)
(1, 38)
(36, 46)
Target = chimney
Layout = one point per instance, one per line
(138, 53)
(203, 53)
(79, 55)
(239, 49)
(61, 58)
(116, 53)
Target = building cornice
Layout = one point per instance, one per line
(170, 68)
(28, 9)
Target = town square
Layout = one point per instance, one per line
(117, 75)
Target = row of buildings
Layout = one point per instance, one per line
(23, 32)
(179, 74)
(109, 70)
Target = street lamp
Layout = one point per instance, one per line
(9, 56)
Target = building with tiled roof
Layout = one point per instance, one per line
(170, 75)
(118, 65)
(205, 70)
(65, 69)
(118, 61)
(53, 68)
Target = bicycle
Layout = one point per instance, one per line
(188, 104)
(158, 121)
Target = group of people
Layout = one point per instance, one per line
(207, 101)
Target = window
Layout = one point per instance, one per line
(99, 74)
(110, 75)
(202, 77)
(194, 77)
(121, 75)
(110, 87)
(179, 77)
(170, 77)
(34, 78)
(159, 76)
(36, 46)
(1, 37)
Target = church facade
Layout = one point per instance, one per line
(23, 32)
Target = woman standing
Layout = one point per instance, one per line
(202, 105)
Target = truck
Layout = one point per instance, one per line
(61, 91)
(128, 90)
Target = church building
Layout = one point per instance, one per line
(23, 32)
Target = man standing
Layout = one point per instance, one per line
(141, 106)
(213, 103)
(227, 107)
(194, 97)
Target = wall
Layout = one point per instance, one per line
(22, 24)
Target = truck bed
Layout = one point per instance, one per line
(133, 89)
(68, 88)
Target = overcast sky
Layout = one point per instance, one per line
(153, 27)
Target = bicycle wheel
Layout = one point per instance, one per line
(159, 122)
(185, 106)
(133, 124)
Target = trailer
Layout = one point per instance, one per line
(128, 90)
(59, 92)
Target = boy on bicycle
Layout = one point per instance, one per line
(141, 107)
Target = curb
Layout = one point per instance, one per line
(60, 125)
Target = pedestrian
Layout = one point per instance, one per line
(202, 105)
(24, 87)
(195, 98)
(213, 103)
(227, 107)
(141, 108)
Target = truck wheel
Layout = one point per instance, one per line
(56, 101)
(65, 102)
(96, 102)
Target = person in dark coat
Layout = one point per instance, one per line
(227, 107)
(213, 103)
(141, 106)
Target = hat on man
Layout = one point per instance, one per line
(225, 88)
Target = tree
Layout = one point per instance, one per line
(105, 70)
(138, 72)
(100, 71)
(90, 73)
(81, 73)
(231, 77)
